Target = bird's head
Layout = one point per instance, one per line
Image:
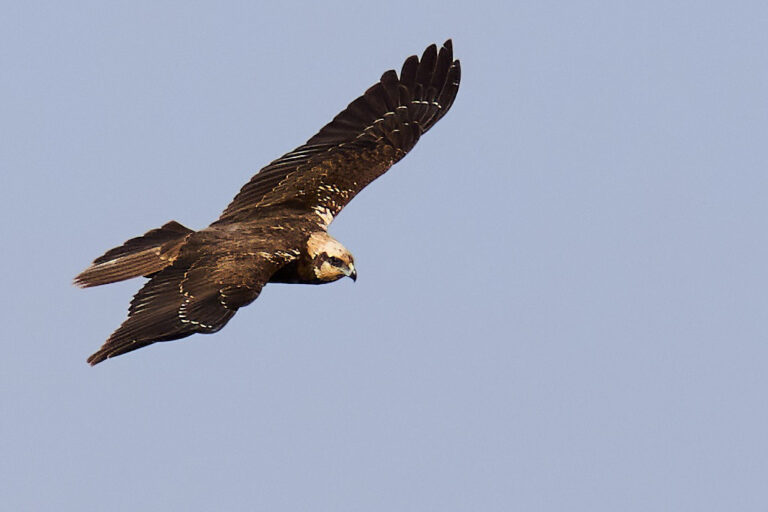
(330, 260)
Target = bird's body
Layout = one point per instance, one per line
(275, 229)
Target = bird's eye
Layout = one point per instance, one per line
(336, 262)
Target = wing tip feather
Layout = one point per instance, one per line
(425, 87)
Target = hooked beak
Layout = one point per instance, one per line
(351, 272)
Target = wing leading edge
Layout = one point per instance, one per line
(360, 143)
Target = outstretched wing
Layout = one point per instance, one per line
(360, 144)
(199, 293)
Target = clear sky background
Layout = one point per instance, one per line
(563, 295)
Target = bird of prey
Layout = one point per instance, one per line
(275, 229)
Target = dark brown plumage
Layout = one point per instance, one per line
(275, 229)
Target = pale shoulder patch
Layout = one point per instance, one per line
(326, 217)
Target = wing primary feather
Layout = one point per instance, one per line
(394, 111)
(427, 64)
(408, 72)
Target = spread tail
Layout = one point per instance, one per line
(140, 256)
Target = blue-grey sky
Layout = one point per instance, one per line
(563, 296)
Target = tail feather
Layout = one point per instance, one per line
(139, 256)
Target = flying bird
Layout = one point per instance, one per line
(275, 230)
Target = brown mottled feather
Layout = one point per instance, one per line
(198, 280)
(361, 143)
(212, 278)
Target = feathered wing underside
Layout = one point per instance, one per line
(361, 143)
(198, 293)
